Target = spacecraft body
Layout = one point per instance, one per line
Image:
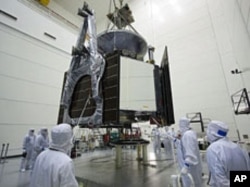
(108, 83)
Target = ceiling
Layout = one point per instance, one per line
(101, 7)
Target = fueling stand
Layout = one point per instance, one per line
(196, 118)
(241, 102)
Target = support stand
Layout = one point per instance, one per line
(241, 102)
(4, 153)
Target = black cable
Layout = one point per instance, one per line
(209, 178)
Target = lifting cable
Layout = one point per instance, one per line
(82, 112)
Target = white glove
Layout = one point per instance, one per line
(184, 169)
(170, 137)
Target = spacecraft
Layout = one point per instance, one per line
(109, 83)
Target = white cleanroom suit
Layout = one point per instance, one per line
(177, 144)
(41, 143)
(172, 133)
(28, 146)
(53, 167)
(168, 143)
(190, 155)
(156, 140)
(223, 155)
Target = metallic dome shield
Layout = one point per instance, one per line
(129, 43)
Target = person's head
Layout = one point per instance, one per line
(31, 132)
(184, 124)
(166, 128)
(216, 130)
(61, 137)
(44, 131)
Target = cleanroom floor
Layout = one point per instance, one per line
(98, 169)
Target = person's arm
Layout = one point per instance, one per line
(38, 147)
(68, 176)
(216, 167)
(25, 143)
(190, 144)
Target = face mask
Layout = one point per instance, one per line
(210, 137)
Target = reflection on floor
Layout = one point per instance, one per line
(98, 169)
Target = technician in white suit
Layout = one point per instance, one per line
(156, 140)
(167, 142)
(190, 158)
(223, 155)
(28, 146)
(53, 167)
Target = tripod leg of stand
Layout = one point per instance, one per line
(6, 152)
(2, 153)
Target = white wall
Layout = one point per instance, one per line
(32, 67)
(206, 39)
(244, 6)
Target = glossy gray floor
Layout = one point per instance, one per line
(98, 169)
